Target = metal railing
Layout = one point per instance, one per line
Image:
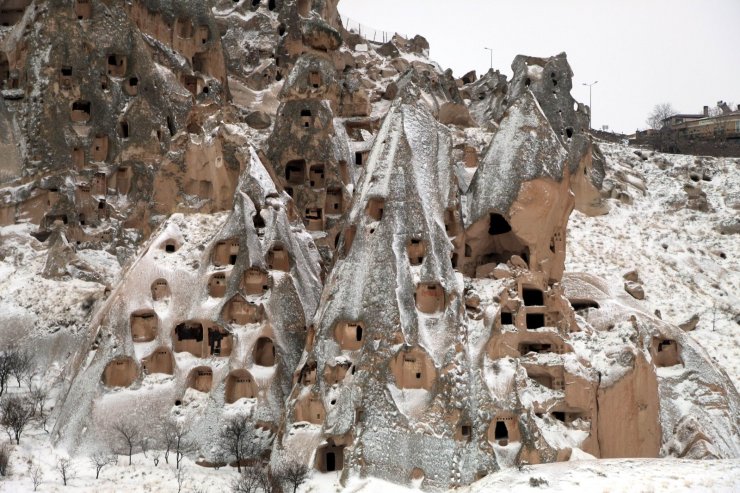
(370, 34)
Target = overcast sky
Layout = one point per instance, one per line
(642, 52)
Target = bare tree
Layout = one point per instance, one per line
(144, 446)
(65, 470)
(6, 369)
(5, 450)
(22, 364)
(16, 412)
(39, 394)
(167, 437)
(294, 473)
(175, 438)
(180, 478)
(101, 459)
(219, 458)
(29, 378)
(36, 474)
(660, 112)
(249, 480)
(128, 435)
(267, 482)
(239, 440)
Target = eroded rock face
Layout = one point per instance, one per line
(520, 194)
(222, 326)
(338, 240)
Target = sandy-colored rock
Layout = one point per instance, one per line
(635, 290)
(690, 324)
(336, 239)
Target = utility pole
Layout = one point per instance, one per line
(490, 50)
(589, 101)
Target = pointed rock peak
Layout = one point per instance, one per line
(524, 148)
(60, 254)
(311, 77)
(551, 80)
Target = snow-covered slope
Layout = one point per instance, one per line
(48, 314)
(687, 259)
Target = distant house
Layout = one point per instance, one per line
(681, 118)
(699, 134)
(723, 126)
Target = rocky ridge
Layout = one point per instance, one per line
(335, 239)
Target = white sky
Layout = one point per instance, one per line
(642, 52)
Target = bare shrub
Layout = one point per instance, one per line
(36, 474)
(22, 364)
(65, 470)
(660, 112)
(251, 480)
(128, 437)
(294, 473)
(17, 412)
(101, 459)
(176, 439)
(238, 440)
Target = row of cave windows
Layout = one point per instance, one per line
(199, 340)
(117, 68)
(330, 457)
(226, 253)
(498, 225)
(121, 183)
(295, 174)
(100, 143)
(122, 372)
(144, 326)
(501, 431)
(412, 368)
(81, 114)
(81, 109)
(304, 6)
(254, 282)
(350, 336)
(83, 10)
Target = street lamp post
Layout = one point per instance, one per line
(490, 50)
(590, 108)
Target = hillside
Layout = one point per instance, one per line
(244, 247)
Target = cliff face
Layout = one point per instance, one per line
(333, 238)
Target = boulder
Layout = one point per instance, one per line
(635, 290)
(259, 120)
(690, 324)
(631, 276)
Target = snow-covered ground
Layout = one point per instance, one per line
(625, 475)
(48, 316)
(591, 476)
(686, 266)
